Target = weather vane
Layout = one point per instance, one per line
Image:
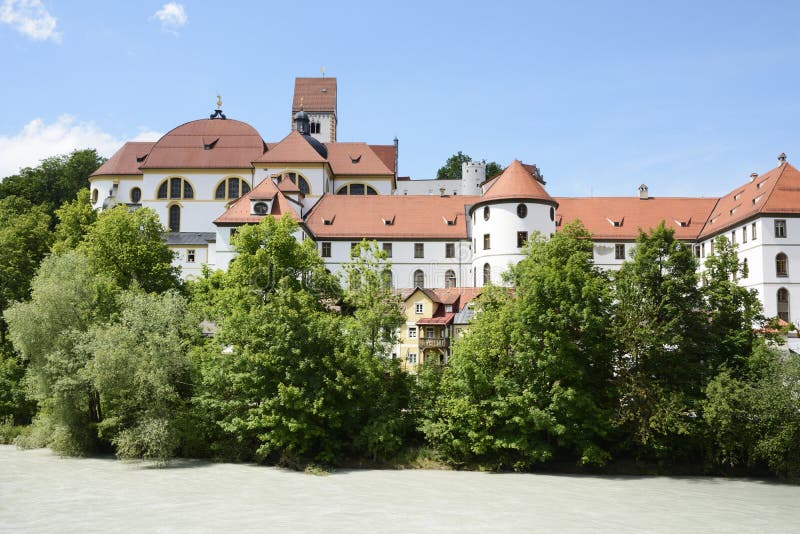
(322, 70)
(219, 101)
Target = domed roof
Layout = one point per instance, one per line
(515, 182)
(301, 115)
(207, 143)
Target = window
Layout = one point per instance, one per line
(419, 250)
(412, 332)
(387, 248)
(314, 127)
(449, 278)
(326, 249)
(388, 279)
(619, 251)
(486, 213)
(522, 211)
(448, 308)
(780, 228)
(353, 246)
(95, 194)
(356, 189)
(487, 273)
(430, 332)
(411, 357)
(753, 234)
(745, 269)
(733, 237)
(487, 242)
(418, 307)
(783, 304)
(298, 180)
(744, 234)
(781, 265)
(703, 250)
(260, 208)
(450, 250)
(174, 218)
(231, 189)
(190, 254)
(552, 213)
(136, 195)
(522, 239)
(178, 188)
(697, 250)
(419, 278)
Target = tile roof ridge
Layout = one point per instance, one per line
(774, 187)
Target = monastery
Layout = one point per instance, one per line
(445, 238)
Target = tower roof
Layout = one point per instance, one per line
(314, 94)
(516, 182)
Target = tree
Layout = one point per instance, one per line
(451, 170)
(75, 218)
(129, 247)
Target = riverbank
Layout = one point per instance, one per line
(40, 492)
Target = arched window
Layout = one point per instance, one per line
(781, 265)
(174, 218)
(419, 278)
(388, 278)
(487, 273)
(783, 304)
(231, 189)
(297, 179)
(175, 188)
(136, 195)
(486, 213)
(95, 193)
(522, 211)
(450, 278)
(356, 189)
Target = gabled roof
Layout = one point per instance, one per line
(516, 182)
(207, 144)
(458, 295)
(410, 216)
(387, 155)
(294, 148)
(126, 160)
(430, 293)
(317, 94)
(775, 192)
(356, 158)
(239, 211)
(598, 215)
(288, 186)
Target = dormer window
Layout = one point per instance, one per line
(260, 208)
(616, 223)
(328, 221)
(387, 220)
(209, 143)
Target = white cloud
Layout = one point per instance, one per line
(172, 16)
(38, 140)
(30, 18)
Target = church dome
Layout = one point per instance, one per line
(207, 143)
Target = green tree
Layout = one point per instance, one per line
(451, 170)
(75, 218)
(129, 247)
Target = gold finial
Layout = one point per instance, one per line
(219, 101)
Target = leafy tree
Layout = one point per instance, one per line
(24, 239)
(660, 328)
(55, 180)
(451, 170)
(129, 247)
(14, 402)
(75, 218)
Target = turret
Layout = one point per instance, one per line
(473, 174)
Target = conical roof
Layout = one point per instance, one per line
(516, 182)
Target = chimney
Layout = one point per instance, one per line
(753, 176)
(781, 158)
(643, 194)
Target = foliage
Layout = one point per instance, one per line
(75, 218)
(14, 403)
(129, 247)
(451, 170)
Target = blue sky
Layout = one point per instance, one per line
(687, 97)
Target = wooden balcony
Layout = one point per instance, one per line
(434, 342)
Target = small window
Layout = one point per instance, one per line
(783, 304)
(178, 188)
(780, 228)
(174, 218)
(136, 195)
(619, 251)
(387, 248)
(522, 211)
(448, 308)
(487, 273)
(314, 127)
(418, 307)
(326, 249)
(487, 241)
(703, 250)
(744, 234)
(450, 250)
(411, 358)
(95, 194)
(745, 269)
(190, 255)
(419, 250)
(754, 233)
(552, 213)
(522, 239)
(419, 278)
(733, 237)
(697, 250)
(486, 213)
(781, 265)
(356, 189)
(450, 278)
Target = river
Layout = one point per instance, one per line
(40, 492)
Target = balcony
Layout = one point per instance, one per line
(434, 342)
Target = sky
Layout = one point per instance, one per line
(686, 97)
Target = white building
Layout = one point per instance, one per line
(208, 177)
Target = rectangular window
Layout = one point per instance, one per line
(450, 250)
(412, 357)
(522, 239)
(387, 248)
(753, 234)
(190, 255)
(429, 332)
(419, 250)
(744, 234)
(412, 332)
(697, 250)
(326, 249)
(780, 228)
(703, 250)
(619, 251)
(418, 307)
(487, 243)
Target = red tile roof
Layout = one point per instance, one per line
(460, 295)
(447, 318)
(207, 144)
(317, 94)
(126, 160)
(239, 211)
(294, 148)
(777, 191)
(516, 182)
(387, 155)
(414, 216)
(288, 186)
(598, 215)
(355, 158)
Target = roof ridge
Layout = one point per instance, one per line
(774, 186)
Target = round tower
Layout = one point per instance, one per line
(473, 174)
